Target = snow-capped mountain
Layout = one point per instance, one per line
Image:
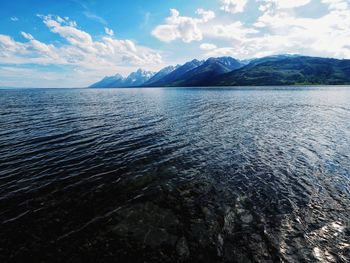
(161, 74)
(109, 82)
(228, 62)
(178, 73)
(204, 73)
(227, 71)
(134, 79)
(138, 78)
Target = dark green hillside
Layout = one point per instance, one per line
(289, 71)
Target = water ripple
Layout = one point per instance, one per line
(175, 175)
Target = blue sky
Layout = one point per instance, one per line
(72, 43)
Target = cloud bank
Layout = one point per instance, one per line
(278, 28)
(80, 50)
(181, 27)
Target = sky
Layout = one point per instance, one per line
(73, 43)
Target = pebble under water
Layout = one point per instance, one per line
(175, 175)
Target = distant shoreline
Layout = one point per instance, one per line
(179, 87)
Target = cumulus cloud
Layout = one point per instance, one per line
(80, 48)
(285, 4)
(233, 6)
(27, 36)
(278, 29)
(205, 15)
(32, 51)
(285, 32)
(109, 31)
(234, 31)
(336, 4)
(82, 58)
(181, 27)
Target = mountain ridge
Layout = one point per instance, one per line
(300, 70)
(212, 67)
(227, 71)
(134, 79)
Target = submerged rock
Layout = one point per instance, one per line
(148, 224)
(182, 248)
(246, 218)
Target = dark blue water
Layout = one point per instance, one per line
(175, 175)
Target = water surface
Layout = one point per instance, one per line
(172, 175)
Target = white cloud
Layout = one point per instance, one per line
(207, 46)
(286, 4)
(80, 49)
(14, 19)
(234, 31)
(181, 27)
(109, 31)
(205, 15)
(27, 36)
(279, 29)
(32, 51)
(233, 6)
(336, 4)
(68, 31)
(313, 36)
(223, 51)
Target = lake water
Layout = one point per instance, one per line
(171, 175)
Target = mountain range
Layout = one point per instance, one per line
(227, 71)
(135, 79)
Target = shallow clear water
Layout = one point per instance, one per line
(168, 175)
